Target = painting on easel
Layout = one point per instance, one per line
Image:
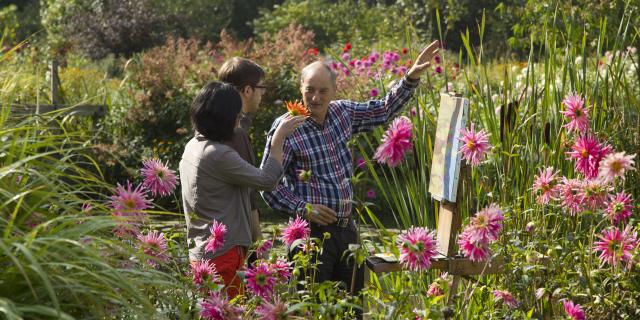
(445, 165)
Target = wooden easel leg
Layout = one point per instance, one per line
(453, 290)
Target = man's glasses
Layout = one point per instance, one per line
(259, 87)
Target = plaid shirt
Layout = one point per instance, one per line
(323, 150)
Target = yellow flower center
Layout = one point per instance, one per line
(616, 166)
(584, 153)
(130, 204)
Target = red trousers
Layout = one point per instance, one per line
(226, 266)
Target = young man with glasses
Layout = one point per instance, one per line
(248, 78)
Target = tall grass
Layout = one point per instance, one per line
(60, 261)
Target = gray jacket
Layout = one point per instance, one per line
(215, 185)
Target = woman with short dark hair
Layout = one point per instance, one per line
(216, 180)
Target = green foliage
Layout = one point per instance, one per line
(336, 22)
(200, 19)
(571, 21)
(8, 24)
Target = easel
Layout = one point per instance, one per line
(444, 186)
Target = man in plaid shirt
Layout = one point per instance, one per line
(320, 146)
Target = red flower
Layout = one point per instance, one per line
(347, 47)
(296, 108)
(313, 51)
(405, 50)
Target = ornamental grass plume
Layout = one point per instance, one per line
(588, 152)
(576, 113)
(475, 145)
(417, 247)
(546, 185)
(616, 247)
(615, 165)
(261, 280)
(395, 142)
(154, 245)
(619, 207)
(296, 229)
(296, 108)
(216, 239)
(158, 178)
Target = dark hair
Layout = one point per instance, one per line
(214, 111)
(240, 72)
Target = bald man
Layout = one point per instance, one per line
(320, 145)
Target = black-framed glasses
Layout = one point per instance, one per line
(259, 87)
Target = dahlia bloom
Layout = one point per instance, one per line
(282, 269)
(203, 272)
(546, 185)
(574, 311)
(569, 189)
(434, 290)
(417, 246)
(506, 297)
(619, 207)
(296, 108)
(216, 307)
(261, 280)
(593, 194)
(371, 194)
(154, 245)
(216, 239)
(475, 251)
(576, 113)
(264, 247)
(395, 142)
(616, 246)
(158, 178)
(486, 224)
(475, 145)
(615, 165)
(296, 229)
(273, 311)
(130, 202)
(588, 153)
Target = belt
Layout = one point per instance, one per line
(343, 223)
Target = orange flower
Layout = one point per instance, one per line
(296, 108)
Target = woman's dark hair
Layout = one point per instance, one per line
(214, 111)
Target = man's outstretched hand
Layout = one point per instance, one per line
(423, 61)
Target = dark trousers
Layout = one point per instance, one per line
(335, 264)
